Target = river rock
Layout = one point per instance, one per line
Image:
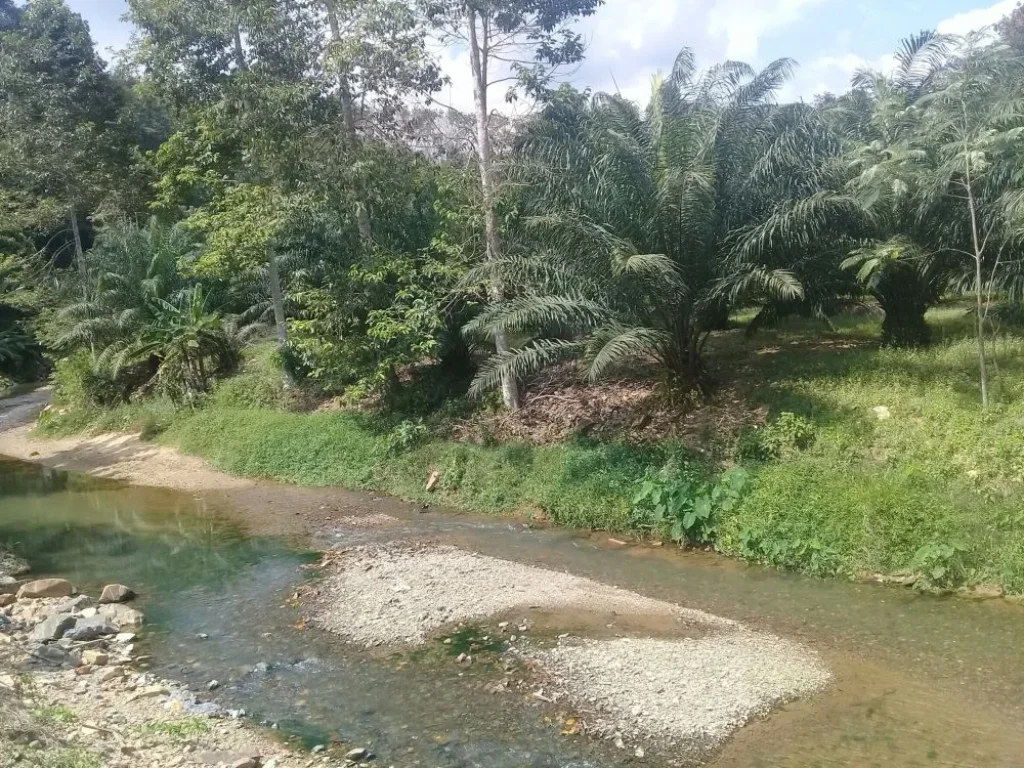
(12, 565)
(359, 753)
(46, 588)
(8, 584)
(74, 605)
(240, 759)
(122, 615)
(91, 628)
(95, 658)
(116, 593)
(53, 654)
(6, 600)
(111, 673)
(52, 628)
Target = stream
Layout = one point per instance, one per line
(919, 681)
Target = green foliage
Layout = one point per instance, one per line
(407, 435)
(940, 566)
(260, 382)
(686, 507)
(147, 328)
(642, 230)
(55, 714)
(784, 437)
(77, 383)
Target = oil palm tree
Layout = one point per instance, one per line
(632, 248)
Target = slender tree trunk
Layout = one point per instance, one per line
(277, 298)
(982, 362)
(349, 120)
(240, 60)
(478, 59)
(77, 235)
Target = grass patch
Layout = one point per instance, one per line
(55, 714)
(70, 757)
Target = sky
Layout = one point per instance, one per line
(632, 40)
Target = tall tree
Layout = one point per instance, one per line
(521, 43)
(61, 144)
(378, 55)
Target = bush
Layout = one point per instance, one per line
(77, 383)
(685, 507)
(786, 436)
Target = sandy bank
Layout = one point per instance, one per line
(118, 457)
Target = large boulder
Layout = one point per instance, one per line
(91, 629)
(116, 593)
(52, 628)
(46, 588)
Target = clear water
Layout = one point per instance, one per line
(919, 681)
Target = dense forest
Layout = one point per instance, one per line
(272, 182)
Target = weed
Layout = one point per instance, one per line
(54, 714)
(70, 757)
(940, 566)
(786, 436)
(687, 507)
(178, 730)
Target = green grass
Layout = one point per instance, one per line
(55, 714)
(576, 484)
(863, 494)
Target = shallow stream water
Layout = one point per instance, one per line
(919, 681)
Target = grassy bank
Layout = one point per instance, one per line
(888, 463)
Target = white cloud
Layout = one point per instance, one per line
(742, 23)
(969, 21)
(831, 74)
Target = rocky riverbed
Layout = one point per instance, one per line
(74, 693)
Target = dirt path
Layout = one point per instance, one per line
(112, 456)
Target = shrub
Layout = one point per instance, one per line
(686, 507)
(786, 436)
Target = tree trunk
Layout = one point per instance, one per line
(478, 60)
(240, 60)
(978, 255)
(349, 120)
(904, 325)
(77, 235)
(277, 297)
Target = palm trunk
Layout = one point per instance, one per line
(349, 121)
(277, 298)
(478, 60)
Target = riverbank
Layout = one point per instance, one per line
(74, 694)
(867, 461)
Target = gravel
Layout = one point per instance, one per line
(404, 593)
(686, 692)
(691, 693)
